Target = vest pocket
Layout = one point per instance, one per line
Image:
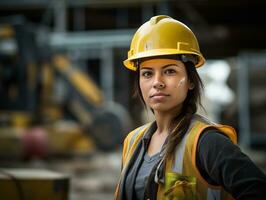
(179, 187)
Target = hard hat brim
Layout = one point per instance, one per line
(129, 63)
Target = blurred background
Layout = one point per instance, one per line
(66, 100)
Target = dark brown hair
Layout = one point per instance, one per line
(180, 123)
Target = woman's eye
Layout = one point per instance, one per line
(146, 74)
(170, 71)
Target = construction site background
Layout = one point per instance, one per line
(66, 101)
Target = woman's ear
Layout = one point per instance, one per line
(191, 85)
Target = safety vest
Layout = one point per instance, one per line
(183, 180)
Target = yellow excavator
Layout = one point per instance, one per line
(48, 102)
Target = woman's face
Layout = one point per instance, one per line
(164, 84)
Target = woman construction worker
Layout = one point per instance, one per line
(181, 155)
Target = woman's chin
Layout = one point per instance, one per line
(160, 108)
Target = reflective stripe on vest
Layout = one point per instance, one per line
(132, 143)
(179, 154)
(213, 194)
(137, 132)
(180, 151)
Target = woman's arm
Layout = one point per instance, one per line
(221, 162)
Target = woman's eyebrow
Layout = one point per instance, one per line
(164, 66)
(145, 68)
(168, 65)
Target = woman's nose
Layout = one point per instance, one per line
(158, 82)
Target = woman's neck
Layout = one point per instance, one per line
(164, 118)
(163, 121)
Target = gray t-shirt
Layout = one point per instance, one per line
(143, 174)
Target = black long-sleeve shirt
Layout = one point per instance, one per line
(222, 163)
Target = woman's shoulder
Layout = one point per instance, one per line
(205, 124)
(202, 119)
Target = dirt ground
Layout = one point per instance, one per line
(96, 178)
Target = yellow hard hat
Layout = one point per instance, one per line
(163, 35)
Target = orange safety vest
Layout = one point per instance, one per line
(183, 180)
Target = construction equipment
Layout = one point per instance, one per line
(31, 184)
(43, 93)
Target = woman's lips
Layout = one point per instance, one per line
(159, 96)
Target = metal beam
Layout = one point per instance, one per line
(74, 3)
(91, 39)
